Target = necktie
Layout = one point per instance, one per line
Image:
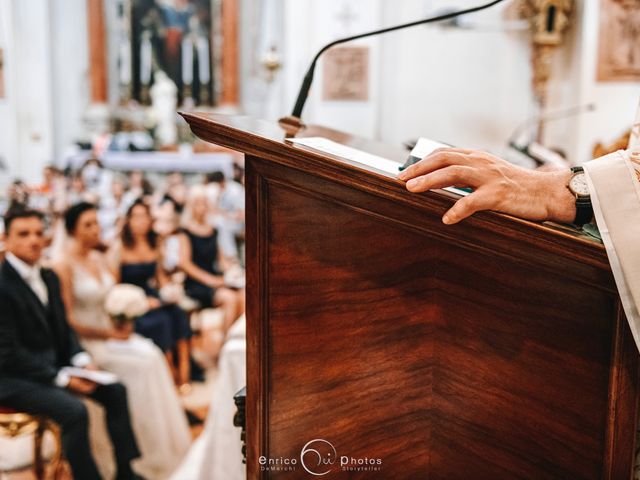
(37, 285)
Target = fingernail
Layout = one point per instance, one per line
(447, 219)
(412, 183)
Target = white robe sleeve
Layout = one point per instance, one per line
(634, 140)
(614, 183)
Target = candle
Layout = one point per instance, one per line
(145, 60)
(187, 61)
(203, 60)
(125, 63)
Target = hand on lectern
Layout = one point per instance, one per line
(498, 185)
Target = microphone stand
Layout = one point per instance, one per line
(293, 123)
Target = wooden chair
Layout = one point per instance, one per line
(14, 423)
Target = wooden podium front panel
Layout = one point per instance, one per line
(443, 355)
(493, 349)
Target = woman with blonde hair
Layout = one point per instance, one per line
(202, 262)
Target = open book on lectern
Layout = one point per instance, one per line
(423, 147)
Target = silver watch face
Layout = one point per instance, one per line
(578, 185)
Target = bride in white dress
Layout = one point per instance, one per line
(158, 420)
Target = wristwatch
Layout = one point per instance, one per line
(580, 189)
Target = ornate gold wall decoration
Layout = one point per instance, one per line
(549, 21)
(619, 143)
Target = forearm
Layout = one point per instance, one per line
(163, 280)
(198, 274)
(89, 332)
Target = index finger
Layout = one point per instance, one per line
(446, 177)
(440, 158)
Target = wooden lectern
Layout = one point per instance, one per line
(382, 344)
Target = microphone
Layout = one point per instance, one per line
(293, 121)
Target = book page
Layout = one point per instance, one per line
(97, 376)
(329, 146)
(423, 148)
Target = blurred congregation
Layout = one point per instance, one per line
(122, 278)
(181, 242)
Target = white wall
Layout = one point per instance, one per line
(33, 87)
(263, 28)
(70, 71)
(47, 82)
(8, 125)
(575, 84)
(465, 88)
(616, 103)
(27, 114)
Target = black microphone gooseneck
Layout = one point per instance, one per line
(308, 79)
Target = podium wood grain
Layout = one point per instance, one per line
(494, 349)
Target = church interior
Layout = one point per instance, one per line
(113, 137)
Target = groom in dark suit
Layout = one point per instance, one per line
(36, 342)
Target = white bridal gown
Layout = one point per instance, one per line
(158, 420)
(217, 454)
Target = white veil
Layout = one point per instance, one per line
(60, 242)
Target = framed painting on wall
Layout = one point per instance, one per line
(194, 42)
(619, 50)
(175, 37)
(346, 74)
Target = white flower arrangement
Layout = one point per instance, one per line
(125, 303)
(171, 293)
(234, 277)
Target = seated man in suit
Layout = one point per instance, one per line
(36, 342)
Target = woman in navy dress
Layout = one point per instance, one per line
(138, 258)
(200, 260)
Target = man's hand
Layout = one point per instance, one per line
(81, 386)
(498, 185)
